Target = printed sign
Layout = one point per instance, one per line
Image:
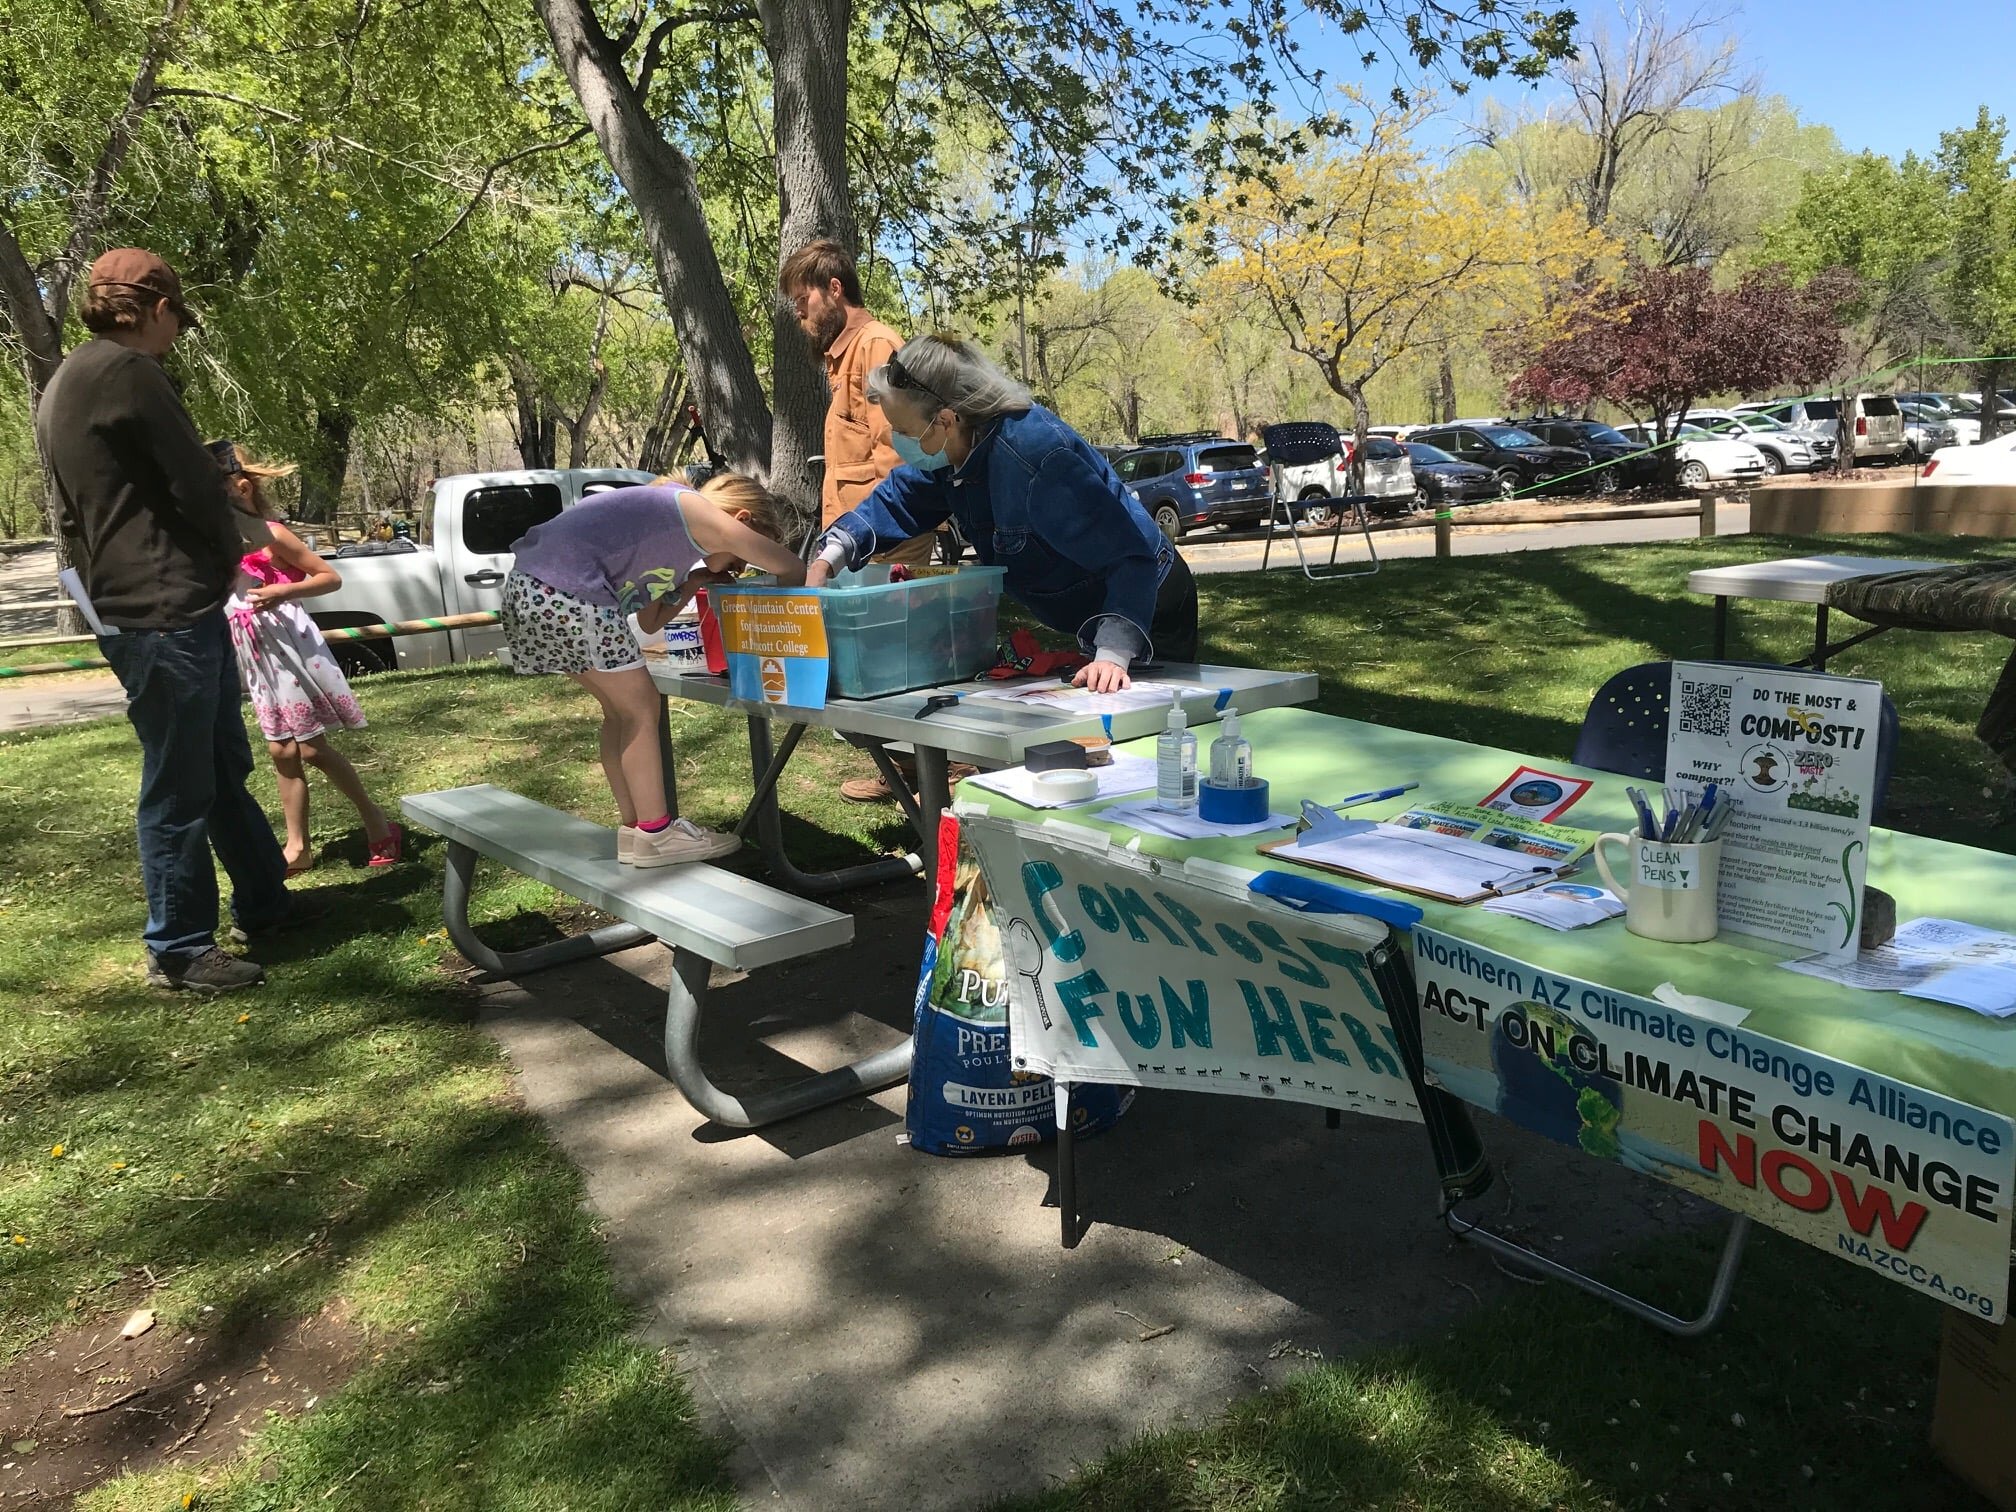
(1131, 971)
(1533, 794)
(1795, 752)
(776, 644)
(1898, 1180)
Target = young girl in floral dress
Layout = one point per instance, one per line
(298, 693)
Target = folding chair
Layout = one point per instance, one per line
(1301, 443)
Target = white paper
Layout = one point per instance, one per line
(1127, 774)
(1700, 1007)
(1989, 990)
(74, 586)
(1560, 905)
(1145, 816)
(1070, 700)
(1794, 754)
(1420, 859)
(1918, 953)
(1880, 970)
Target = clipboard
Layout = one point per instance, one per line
(1443, 867)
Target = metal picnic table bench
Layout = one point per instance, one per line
(705, 915)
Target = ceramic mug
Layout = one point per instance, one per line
(1673, 887)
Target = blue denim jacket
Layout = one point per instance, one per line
(1035, 498)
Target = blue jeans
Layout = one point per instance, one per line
(182, 695)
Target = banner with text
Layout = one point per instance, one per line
(1131, 971)
(776, 644)
(1905, 1182)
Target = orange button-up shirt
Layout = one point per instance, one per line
(859, 453)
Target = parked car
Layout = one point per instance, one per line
(1786, 448)
(1442, 479)
(457, 567)
(1874, 419)
(1387, 476)
(1200, 479)
(1519, 459)
(1926, 431)
(1992, 462)
(1966, 423)
(1625, 463)
(1701, 457)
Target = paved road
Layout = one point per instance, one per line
(62, 700)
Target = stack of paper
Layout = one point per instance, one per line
(1154, 821)
(1560, 905)
(1127, 774)
(1423, 861)
(1940, 960)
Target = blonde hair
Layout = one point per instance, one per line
(260, 474)
(736, 494)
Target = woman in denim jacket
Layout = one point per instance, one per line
(1032, 496)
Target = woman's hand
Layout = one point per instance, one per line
(1102, 677)
(818, 574)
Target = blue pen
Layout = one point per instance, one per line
(1648, 827)
(1672, 821)
(1106, 724)
(1357, 798)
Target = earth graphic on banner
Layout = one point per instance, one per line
(1540, 1089)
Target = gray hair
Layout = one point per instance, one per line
(955, 374)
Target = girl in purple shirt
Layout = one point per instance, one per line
(643, 551)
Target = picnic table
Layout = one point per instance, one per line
(1793, 580)
(1944, 1050)
(983, 732)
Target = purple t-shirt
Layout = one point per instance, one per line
(622, 548)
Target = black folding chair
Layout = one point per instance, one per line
(1302, 443)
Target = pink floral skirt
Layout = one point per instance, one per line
(296, 688)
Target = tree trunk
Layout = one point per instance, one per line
(1991, 400)
(1446, 375)
(1361, 429)
(807, 44)
(666, 196)
(666, 437)
(537, 426)
(323, 469)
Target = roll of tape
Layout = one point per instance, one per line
(1067, 786)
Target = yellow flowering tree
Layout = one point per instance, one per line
(1363, 251)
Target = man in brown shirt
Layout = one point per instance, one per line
(821, 282)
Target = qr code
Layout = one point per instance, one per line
(1704, 708)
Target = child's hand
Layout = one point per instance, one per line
(819, 574)
(267, 596)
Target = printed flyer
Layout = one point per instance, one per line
(1795, 753)
(1899, 1180)
(1533, 794)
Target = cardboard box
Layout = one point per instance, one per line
(1977, 1406)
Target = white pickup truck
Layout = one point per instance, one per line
(456, 567)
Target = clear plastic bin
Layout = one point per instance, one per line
(884, 637)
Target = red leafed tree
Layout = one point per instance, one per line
(1668, 339)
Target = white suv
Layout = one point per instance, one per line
(1874, 420)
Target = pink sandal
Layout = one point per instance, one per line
(386, 852)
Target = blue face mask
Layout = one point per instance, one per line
(911, 450)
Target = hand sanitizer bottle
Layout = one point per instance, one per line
(1176, 762)
(1231, 755)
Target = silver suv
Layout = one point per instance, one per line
(1786, 448)
(1874, 421)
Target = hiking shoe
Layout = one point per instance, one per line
(211, 972)
(876, 789)
(626, 843)
(680, 842)
(302, 908)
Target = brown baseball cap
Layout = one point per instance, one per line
(138, 269)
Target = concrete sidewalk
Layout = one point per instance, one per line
(880, 1328)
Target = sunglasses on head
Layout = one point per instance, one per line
(226, 454)
(903, 378)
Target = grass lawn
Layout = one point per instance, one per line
(344, 1139)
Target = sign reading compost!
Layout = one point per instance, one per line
(1899, 1180)
(1125, 971)
(776, 644)
(1796, 754)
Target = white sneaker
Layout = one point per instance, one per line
(679, 842)
(626, 843)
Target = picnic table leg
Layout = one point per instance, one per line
(1707, 1318)
(665, 756)
(934, 796)
(1819, 637)
(686, 997)
(455, 886)
(1067, 1168)
(770, 835)
(1721, 626)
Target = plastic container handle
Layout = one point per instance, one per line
(1328, 897)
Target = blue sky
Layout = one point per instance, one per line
(1886, 76)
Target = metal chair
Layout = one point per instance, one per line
(1624, 730)
(1302, 443)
